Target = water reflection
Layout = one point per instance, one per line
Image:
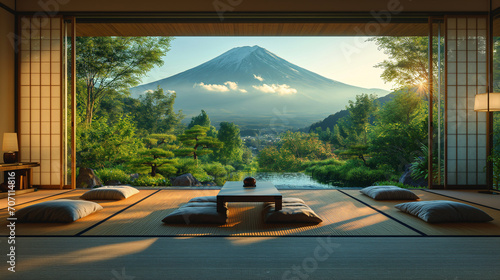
(290, 180)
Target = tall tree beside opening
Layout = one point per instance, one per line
(196, 143)
(400, 129)
(408, 63)
(108, 64)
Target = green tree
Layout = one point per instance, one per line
(114, 64)
(105, 145)
(293, 149)
(203, 120)
(360, 112)
(400, 129)
(231, 151)
(155, 113)
(274, 159)
(157, 153)
(408, 63)
(353, 128)
(305, 146)
(196, 143)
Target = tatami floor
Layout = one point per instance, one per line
(359, 239)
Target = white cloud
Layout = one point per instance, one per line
(243, 90)
(227, 86)
(283, 89)
(213, 87)
(232, 85)
(258, 77)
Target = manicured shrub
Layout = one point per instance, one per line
(363, 176)
(108, 174)
(393, 183)
(148, 181)
(350, 173)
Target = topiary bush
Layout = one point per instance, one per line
(148, 181)
(108, 174)
(363, 176)
(393, 183)
(350, 173)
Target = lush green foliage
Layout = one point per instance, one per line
(292, 150)
(394, 183)
(399, 130)
(274, 159)
(106, 145)
(231, 151)
(114, 64)
(146, 180)
(408, 61)
(203, 120)
(157, 153)
(220, 173)
(115, 174)
(360, 112)
(420, 165)
(196, 143)
(155, 112)
(350, 173)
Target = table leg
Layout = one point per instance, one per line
(29, 175)
(220, 205)
(278, 203)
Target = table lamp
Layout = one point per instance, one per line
(10, 147)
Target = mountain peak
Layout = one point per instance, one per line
(237, 54)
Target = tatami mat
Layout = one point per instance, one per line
(442, 229)
(37, 195)
(490, 200)
(344, 213)
(341, 216)
(62, 229)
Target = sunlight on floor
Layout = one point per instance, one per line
(89, 255)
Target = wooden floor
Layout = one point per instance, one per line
(359, 239)
(254, 258)
(344, 213)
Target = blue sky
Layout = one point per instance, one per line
(349, 60)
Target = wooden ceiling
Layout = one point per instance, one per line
(251, 29)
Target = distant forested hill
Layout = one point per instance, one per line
(332, 120)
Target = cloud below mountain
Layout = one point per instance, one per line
(283, 89)
(227, 86)
(258, 77)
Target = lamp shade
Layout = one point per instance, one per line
(481, 102)
(10, 142)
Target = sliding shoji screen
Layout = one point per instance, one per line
(40, 97)
(466, 130)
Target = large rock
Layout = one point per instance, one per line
(87, 179)
(408, 180)
(186, 180)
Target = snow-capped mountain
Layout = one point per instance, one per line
(251, 82)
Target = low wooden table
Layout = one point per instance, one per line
(235, 192)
